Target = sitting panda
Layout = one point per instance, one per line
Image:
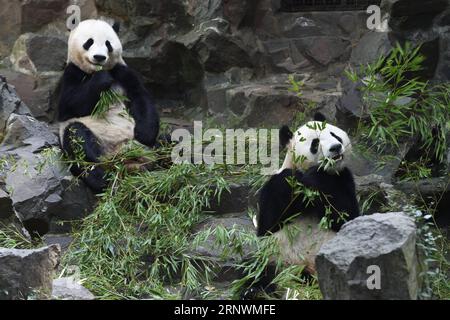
(324, 189)
(94, 45)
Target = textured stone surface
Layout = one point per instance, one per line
(69, 289)
(39, 93)
(387, 241)
(9, 103)
(38, 187)
(226, 268)
(26, 274)
(34, 53)
(20, 17)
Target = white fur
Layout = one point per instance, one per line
(301, 245)
(112, 131)
(301, 142)
(99, 31)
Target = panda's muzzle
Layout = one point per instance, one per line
(99, 58)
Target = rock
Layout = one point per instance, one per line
(10, 16)
(27, 274)
(351, 101)
(327, 106)
(9, 103)
(171, 70)
(37, 13)
(218, 53)
(237, 200)
(371, 46)
(425, 187)
(20, 17)
(146, 16)
(39, 93)
(227, 270)
(23, 131)
(386, 241)
(34, 54)
(271, 106)
(435, 192)
(369, 189)
(39, 186)
(63, 240)
(323, 50)
(263, 104)
(69, 289)
(234, 11)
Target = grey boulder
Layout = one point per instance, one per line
(33, 183)
(9, 103)
(28, 274)
(372, 257)
(39, 186)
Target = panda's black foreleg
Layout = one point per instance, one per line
(141, 106)
(255, 288)
(276, 202)
(147, 120)
(80, 143)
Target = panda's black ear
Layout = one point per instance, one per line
(116, 26)
(285, 136)
(319, 117)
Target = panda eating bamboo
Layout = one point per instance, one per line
(96, 71)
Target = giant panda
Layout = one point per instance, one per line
(94, 45)
(293, 218)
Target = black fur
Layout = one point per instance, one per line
(77, 137)
(336, 137)
(319, 117)
(276, 205)
(80, 93)
(285, 136)
(88, 44)
(109, 46)
(314, 146)
(116, 26)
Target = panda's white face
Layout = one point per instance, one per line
(94, 44)
(316, 142)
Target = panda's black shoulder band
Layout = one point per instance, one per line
(285, 136)
(319, 117)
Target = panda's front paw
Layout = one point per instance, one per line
(123, 74)
(119, 69)
(103, 80)
(145, 135)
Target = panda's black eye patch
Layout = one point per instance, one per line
(337, 137)
(109, 46)
(88, 44)
(314, 146)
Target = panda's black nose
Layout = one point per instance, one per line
(336, 148)
(99, 58)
